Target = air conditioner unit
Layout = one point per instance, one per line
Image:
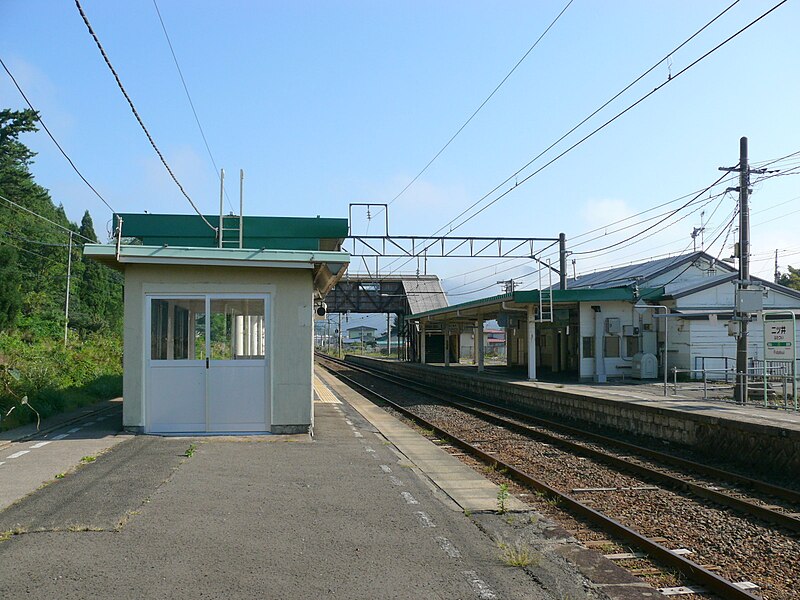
(645, 366)
(630, 330)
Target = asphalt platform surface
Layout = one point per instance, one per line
(339, 516)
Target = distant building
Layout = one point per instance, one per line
(362, 333)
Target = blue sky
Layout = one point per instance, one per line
(327, 103)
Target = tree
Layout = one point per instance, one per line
(96, 292)
(790, 279)
(99, 297)
(10, 297)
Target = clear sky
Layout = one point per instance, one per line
(328, 103)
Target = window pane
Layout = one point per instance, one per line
(159, 329)
(171, 321)
(588, 347)
(237, 329)
(631, 345)
(612, 347)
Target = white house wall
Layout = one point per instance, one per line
(624, 311)
(700, 341)
(290, 357)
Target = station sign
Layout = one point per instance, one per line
(779, 340)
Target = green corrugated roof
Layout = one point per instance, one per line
(559, 296)
(279, 233)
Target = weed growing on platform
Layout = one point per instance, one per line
(502, 498)
(60, 475)
(88, 459)
(190, 451)
(518, 554)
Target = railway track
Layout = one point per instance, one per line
(629, 468)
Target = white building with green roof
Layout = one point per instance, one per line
(219, 336)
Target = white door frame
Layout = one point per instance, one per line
(207, 363)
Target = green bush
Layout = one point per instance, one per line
(54, 378)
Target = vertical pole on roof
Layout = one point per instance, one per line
(221, 205)
(69, 278)
(241, 208)
(562, 261)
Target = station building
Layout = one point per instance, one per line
(218, 337)
(631, 321)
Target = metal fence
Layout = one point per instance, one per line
(769, 385)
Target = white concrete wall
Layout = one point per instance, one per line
(624, 311)
(290, 355)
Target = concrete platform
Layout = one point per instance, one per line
(756, 438)
(344, 514)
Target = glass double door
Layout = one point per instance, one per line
(207, 363)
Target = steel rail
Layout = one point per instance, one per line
(759, 485)
(715, 583)
(744, 507)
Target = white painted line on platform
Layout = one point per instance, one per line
(74, 429)
(409, 498)
(60, 436)
(386, 469)
(368, 449)
(18, 454)
(2, 463)
(480, 587)
(425, 519)
(448, 547)
(395, 480)
(88, 423)
(101, 418)
(40, 444)
(358, 434)
(349, 422)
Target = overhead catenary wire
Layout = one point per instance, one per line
(482, 104)
(52, 137)
(136, 114)
(672, 78)
(189, 98)
(646, 229)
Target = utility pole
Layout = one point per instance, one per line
(69, 278)
(562, 261)
(777, 273)
(742, 317)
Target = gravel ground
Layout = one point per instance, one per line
(739, 549)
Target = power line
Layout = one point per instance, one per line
(645, 230)
(28, 210)
(47, 258)
(608, 122)
(136, 114)
(621, 113)
(37, 242)
(52, 137)
(477, 110)
(189, 97)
